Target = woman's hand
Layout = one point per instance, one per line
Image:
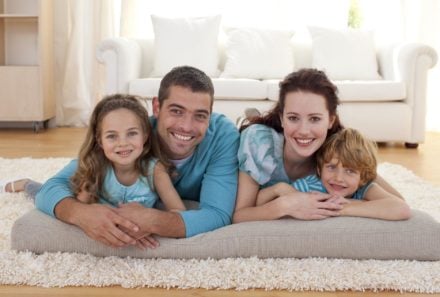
(311, 206)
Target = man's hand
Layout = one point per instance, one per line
(100, 222)
(152, 221)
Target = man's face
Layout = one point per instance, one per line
(182, 120)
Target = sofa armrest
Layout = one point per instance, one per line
(409, 63)
(122, 58)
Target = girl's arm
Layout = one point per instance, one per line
(306, 206)
(378, 203)
(270, 193)
(165, 189)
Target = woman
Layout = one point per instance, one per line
(280, 146)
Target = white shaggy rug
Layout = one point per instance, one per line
(68, 269)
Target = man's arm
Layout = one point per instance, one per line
(219, 185)
(218, 160)
(99, 222)
(153, 221)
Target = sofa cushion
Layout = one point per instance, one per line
(258, 53)
(356, 91)
(239, 88)
(344, 54)
(343, 237)
(185, 41)
(371, 90)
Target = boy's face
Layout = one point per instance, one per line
(182, 120)
(339, 180)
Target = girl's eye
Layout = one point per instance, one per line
(132, 133)
(111, 136)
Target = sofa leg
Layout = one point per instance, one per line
(411, 145)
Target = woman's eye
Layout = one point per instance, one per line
(292, 118)
(315, 119)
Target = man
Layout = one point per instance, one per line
(203, 146)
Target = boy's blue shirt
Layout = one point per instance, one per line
(209, 176)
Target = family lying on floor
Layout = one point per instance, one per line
(297, 161)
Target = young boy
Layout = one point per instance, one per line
(347, 168)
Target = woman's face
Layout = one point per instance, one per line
(305, 120)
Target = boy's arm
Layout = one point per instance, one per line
(165, 189)
(378, 203)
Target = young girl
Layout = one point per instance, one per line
(346, 169)
(119, 161)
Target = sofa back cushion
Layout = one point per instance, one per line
(258, 53)
(344, 54)
(185, 41)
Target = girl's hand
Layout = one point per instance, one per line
(147, 242)
(310, 206)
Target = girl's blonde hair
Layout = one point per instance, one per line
(353, 150)
(93, 164)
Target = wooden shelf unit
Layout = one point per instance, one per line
(26, 61)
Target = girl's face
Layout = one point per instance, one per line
(122, 138)
(340, 180)
(305, 120)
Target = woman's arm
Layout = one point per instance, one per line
(165, 189)
(378, 203)
(387, 187)
(270, 193)
(306, 206)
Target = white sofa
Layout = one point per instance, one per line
(388, 109)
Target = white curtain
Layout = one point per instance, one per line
(79, 25)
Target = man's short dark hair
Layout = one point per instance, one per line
(187, 77)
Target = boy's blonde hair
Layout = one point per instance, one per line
(353, 150)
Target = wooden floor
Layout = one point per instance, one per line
(65, 142)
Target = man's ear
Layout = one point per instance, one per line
(156, 106)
